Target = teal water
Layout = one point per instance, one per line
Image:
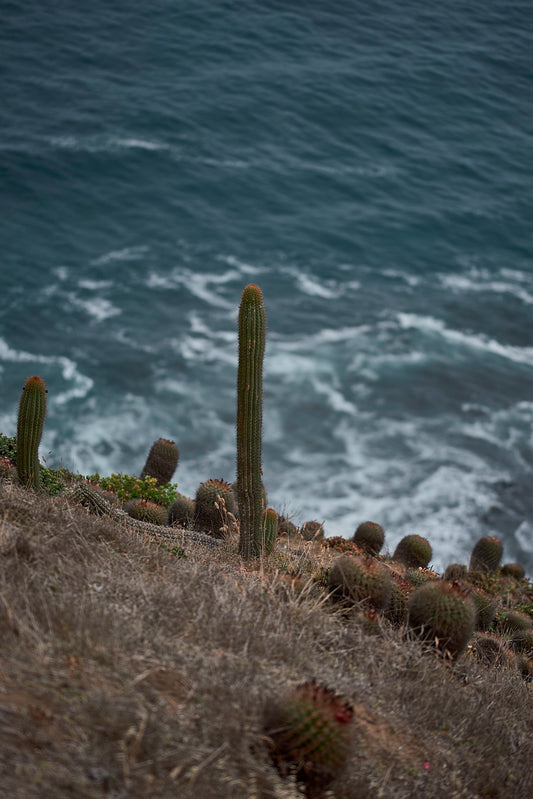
(369, 167)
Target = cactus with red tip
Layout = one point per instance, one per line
(32, 410)
(162, 461)
(252, 333)
(310, 732)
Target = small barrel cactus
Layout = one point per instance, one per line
(396, 611)
(493, 651)
(310, 732)
(162, 461)
(145, 511)
(355, 579)
(414, 551)
(485, 607)
(443, 613)
(486, 555)
(181, 512)
(214, 499)
(514, 570)
(370, 537)
(286, 527)
(522, 641)
(512, 621)
(312, 531)
(32, 410)
(455, 571)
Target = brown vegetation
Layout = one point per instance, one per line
(127, 670)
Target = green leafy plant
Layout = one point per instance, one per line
(8, 448)
(127, 487)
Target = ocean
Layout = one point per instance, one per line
(369, 166)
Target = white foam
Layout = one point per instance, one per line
(312, 286)
(61, 272)
(336, 401)
(94, 285)
(97, 307)
(482, 281)
(125, 254)
(99, 143)
(69, 371)
(242, 267)
(428, 324)
(140, 144)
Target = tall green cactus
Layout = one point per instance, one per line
(32, 410)
(252, 331)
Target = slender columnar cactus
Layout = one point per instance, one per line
(252, 331)
(162, 461)
(270, 530)
(32, 410)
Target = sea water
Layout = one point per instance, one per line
(369, 166)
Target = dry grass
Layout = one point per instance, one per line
(126, 671)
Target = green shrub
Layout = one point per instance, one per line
(127, 487)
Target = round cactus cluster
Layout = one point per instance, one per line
(145, 511)
(214, 499)
(370, 537)
(486, 555)
(310, 733)
(354, 579)
(413, 551)
(181, 512)
(444, 614)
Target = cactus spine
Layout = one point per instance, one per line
(252, 331)
(32, 410)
